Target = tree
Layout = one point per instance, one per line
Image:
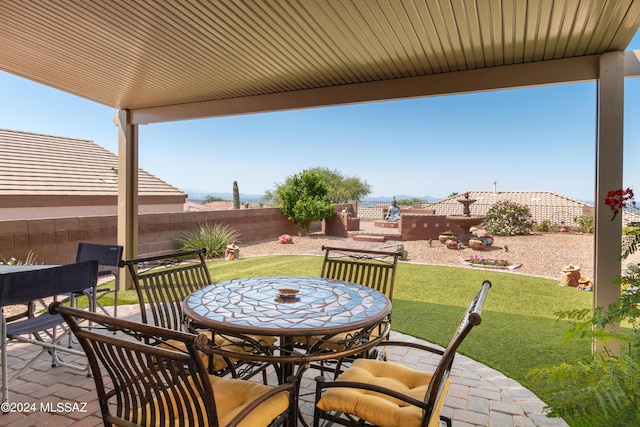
(340, 189)
(305, 198)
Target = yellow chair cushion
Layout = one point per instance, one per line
(378, 409)
(231, 396)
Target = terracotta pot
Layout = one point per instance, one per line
(570, 277)
(451, 243)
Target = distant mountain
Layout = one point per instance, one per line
(399, 197)
(197, 196)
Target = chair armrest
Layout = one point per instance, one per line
(322, 383)
(418, 346)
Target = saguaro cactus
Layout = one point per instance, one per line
(236, 195)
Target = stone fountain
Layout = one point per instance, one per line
(466, 220)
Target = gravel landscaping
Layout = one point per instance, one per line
(541, 254)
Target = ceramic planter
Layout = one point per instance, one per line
(477, 244)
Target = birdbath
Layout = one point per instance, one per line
(466, 220)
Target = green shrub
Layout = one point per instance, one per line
(507, 218)
(544, 226)
(214, 238)
(632, 229)
(305, 199)
(585, 223)
(31, 259)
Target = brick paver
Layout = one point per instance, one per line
(478, 397)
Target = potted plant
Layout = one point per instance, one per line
(445, 235)
(570, 275)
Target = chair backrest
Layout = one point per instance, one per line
(472, 317)
(149, 384)
(106, 255)
(374, 269)
(42, 282)
(164, 281)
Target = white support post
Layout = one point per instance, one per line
(609, 146)
(127, 188)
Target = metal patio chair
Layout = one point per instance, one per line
(40, 328)
(162, 282)
(150, 376)
(381, 393)
(108, 257)
(370, 268)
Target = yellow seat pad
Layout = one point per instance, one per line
(231, 396)
(378, 409)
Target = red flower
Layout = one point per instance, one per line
(619, 199)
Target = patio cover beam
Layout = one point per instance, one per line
(127, 188)
(572, 70)
(609, 156)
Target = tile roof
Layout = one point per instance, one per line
(543, 204)
(34, 164)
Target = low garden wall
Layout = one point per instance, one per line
(425, 227)
(55, 240)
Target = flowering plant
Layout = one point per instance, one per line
(618, 199)
(477, 259)
(506, 218)
(602, 388)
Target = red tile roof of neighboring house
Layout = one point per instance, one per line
(544, 205)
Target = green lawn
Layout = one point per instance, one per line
(519, 329)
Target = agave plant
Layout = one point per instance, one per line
(29, 260)
(213, 237)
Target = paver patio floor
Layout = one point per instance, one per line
(479, 396)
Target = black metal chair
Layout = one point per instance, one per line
(41, 329)
(162, 282)
(152, 376)
(370, 268)
(380, 393)
(108, 257)
(374, 269)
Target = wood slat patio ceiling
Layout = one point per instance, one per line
(141, 54)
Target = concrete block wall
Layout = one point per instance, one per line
(55, 240)
(424, 227)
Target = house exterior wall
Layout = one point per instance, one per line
(9, 214)
(18, 207)
(55, 240)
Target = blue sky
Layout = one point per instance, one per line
(534, 139)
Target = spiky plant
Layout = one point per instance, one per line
(213, 237)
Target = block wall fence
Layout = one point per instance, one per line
(55, 240)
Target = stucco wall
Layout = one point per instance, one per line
(55, 240)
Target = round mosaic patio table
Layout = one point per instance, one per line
(321, 308)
